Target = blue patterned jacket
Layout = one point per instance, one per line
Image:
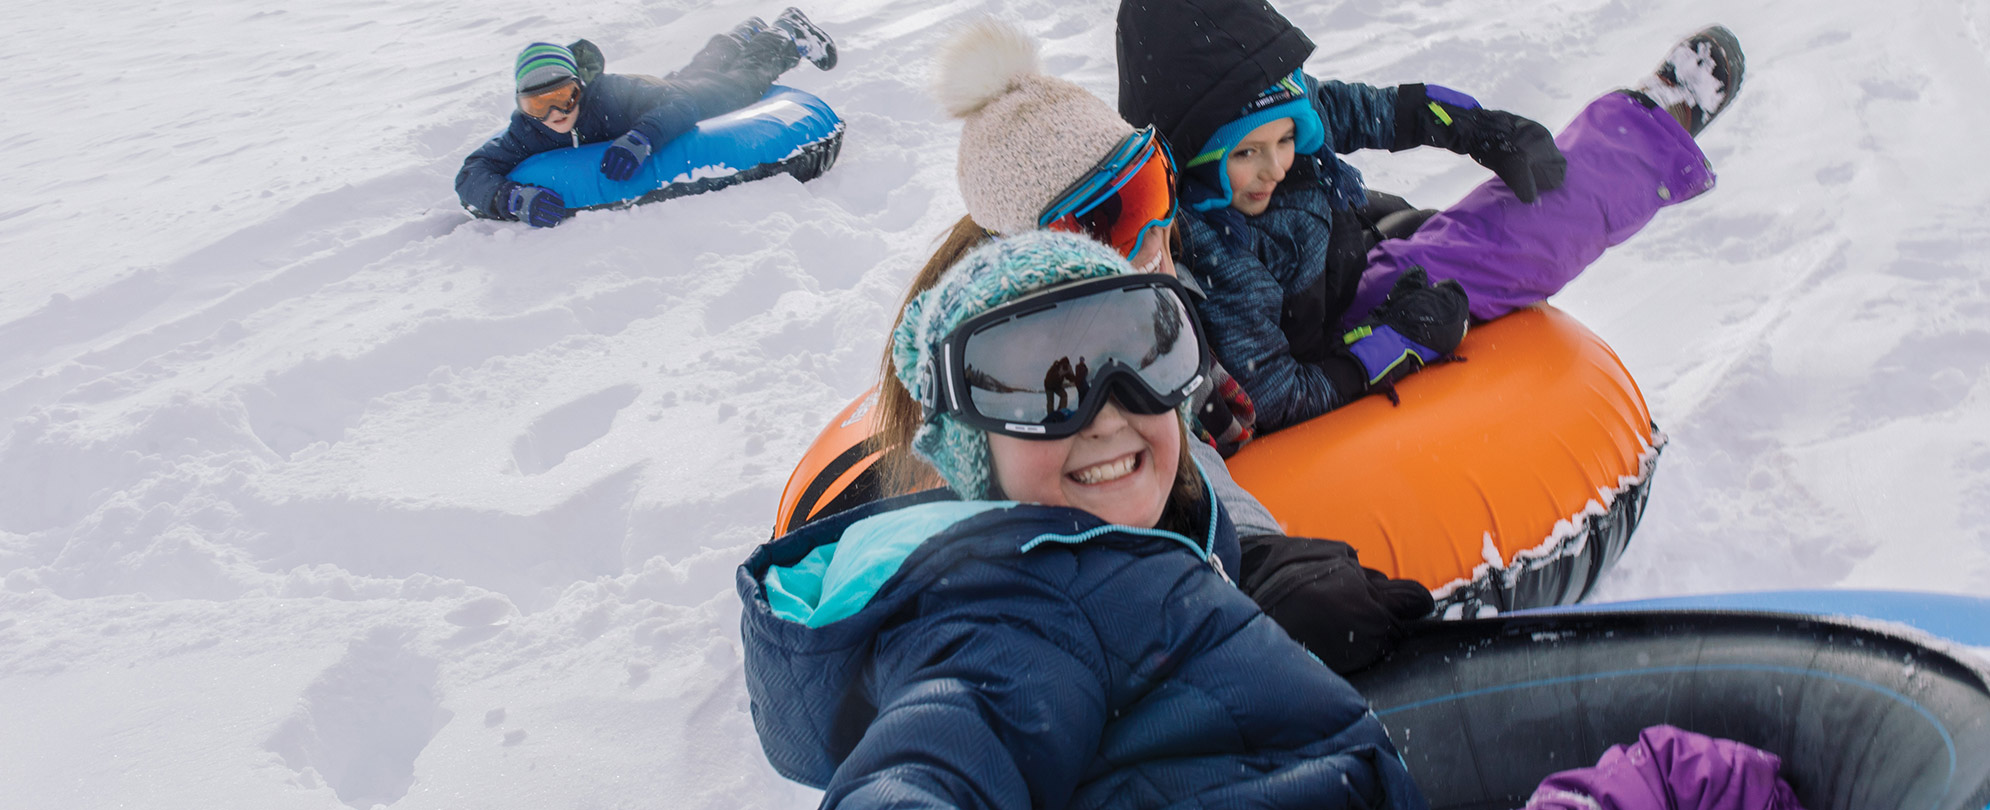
(1274, 308)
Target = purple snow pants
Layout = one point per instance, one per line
(1671, 769)
(1625, 161)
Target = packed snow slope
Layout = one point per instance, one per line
(315, 493)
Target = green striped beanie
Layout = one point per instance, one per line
(542, 64)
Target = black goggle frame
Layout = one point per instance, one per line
(1113, 380)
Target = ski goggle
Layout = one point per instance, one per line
(1042, 366)
(1128, 194)
(543, 102)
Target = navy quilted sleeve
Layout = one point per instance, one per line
(483, 172)
(998, 702)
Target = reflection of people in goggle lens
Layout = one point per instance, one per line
(1054, 398)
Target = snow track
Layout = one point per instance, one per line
(316, 493)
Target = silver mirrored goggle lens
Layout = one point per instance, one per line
(1038, 366)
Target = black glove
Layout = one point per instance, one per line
(1520, 151)
(1347, 615)
(1420, 323)
(535, 206)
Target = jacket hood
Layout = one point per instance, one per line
(804, 672)
(1190, 66)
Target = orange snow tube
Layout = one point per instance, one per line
(836, 471)
(1509, 481)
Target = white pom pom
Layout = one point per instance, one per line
(982, 62)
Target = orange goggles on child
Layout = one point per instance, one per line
(540, 104)
(1128, 194)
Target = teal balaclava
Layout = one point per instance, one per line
(1286, 99)
(989, 276)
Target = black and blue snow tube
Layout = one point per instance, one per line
(786, 132)
(1864, 713)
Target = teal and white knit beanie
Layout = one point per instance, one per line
(989, 276)
(542, 64)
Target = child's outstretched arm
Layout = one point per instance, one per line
(1521, 151)
(1356, 116)
(481, 184)
(667, 110)
(995, 703)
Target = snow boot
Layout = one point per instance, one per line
(811, 42)
(1698, 79)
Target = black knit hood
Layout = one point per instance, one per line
(1189, 66)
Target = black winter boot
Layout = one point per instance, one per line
(811, 42)
(1698, 79)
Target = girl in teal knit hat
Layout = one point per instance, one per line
(994, 275)
(1058, 627)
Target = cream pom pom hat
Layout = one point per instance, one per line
(1025, 137)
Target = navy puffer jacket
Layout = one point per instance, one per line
(925, 652)
(1278, 288)
(610, 106)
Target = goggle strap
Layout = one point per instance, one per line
(947, 360)
(1086, 189)
(1120, 179)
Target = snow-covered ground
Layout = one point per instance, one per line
(315, 493)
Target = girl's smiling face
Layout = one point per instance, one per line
(1154, 255)
(1258, 163)
(1120, 467)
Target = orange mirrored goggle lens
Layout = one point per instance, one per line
(1143, 201)
(542, 103)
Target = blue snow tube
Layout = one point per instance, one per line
(1958, 618)
(786, 132)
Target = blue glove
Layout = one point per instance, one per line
(1386, 354)
(1420, 323)
(535, 206)
(624, 155)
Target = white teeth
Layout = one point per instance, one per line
(1108, 471)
